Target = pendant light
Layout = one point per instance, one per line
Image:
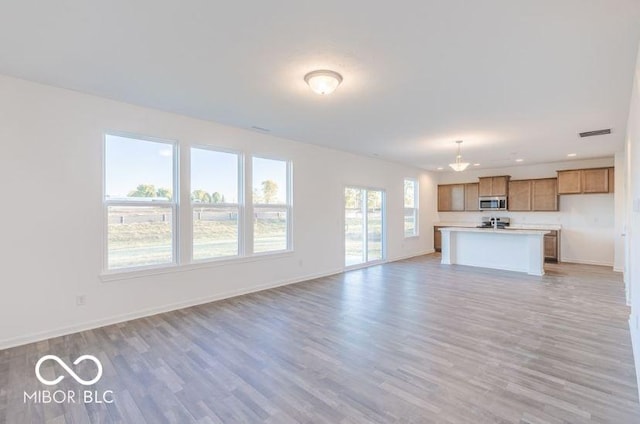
(459, 165)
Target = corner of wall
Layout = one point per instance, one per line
(634, 328)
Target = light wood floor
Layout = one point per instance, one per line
(411, 341)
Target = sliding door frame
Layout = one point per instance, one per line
(365, 209)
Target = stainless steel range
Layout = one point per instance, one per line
(494, 222)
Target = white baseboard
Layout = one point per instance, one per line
(586, 262)
(635, 343)
(90, 325)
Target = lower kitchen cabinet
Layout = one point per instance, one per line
(437, 239)
(552, 247)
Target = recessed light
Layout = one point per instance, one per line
(440, 168)
(572, 155)
(519, 160)
(476, 164)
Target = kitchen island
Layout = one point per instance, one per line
(506, 249)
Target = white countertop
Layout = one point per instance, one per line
(514, 232)
(553, 227)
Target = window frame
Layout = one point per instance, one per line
(173, 204)
(415, 208)
(241, 175)
(287, 206)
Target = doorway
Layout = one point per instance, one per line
(364, 217)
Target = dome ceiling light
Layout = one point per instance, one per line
(323, 81)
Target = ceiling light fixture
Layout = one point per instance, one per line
(519, 160)
(323, 81)
(459, 165)
(572, 155)
(476, 164)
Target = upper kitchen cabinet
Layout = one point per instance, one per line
(595, 180)
(471, 197)
(544, 194)
(533, 195)
(612, 179)
(570, 182)
(493, 186)
(578, 181)
(519, 195)
(451, 197)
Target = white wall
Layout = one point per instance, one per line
(632, 216)
(587, 220)
(620, 202)
(52, 216)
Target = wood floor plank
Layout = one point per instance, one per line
(412, 341)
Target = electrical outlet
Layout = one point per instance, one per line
(81, 300)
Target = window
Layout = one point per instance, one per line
(141, 184)
(215, 203)
(271, 205)
(410, 207)
(140, 202)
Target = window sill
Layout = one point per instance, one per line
(417, 236)
(171, 269)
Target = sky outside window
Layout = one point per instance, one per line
(131, 162)
(215, 172)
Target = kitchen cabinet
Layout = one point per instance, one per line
(471, 197)
(586, 181)
(595, 180)
(451, 197)
(570, 182)
(551, 246)
(612, 179)
(519, 195)
(437, 239)
(544, 194)
(493, 186)
(533, 195)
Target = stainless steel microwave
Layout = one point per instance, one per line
(492, 203)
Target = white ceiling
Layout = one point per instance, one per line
(513, 79)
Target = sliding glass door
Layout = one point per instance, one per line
(364, 226)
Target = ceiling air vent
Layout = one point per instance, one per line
(261, 129)
(596, 132)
